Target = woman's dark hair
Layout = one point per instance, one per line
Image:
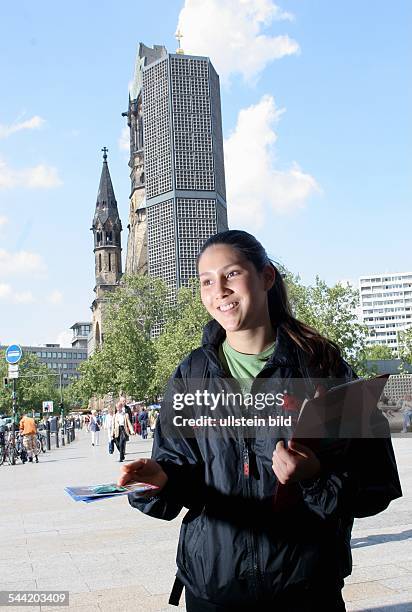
(323, 353)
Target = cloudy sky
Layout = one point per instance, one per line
(316, 99)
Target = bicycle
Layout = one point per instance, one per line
(40, 443)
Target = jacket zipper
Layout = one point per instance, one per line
(252, 537)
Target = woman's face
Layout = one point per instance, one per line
(232, 290)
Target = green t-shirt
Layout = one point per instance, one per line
(243, 367)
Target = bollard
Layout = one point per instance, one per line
(73, 432)
(57, 435)
(68, 428)
(48, 445)
(62, 434)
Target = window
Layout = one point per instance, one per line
(100, 262)
(49, 355)
(109, 237)
(59, 355)
(54, 355)
(110, 262)
(64, 355)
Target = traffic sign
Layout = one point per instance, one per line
(13, 353)
(47, 406)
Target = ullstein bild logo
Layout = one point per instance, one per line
(205, 398)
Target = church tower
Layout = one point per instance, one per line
(106, 228)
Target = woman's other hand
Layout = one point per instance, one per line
(294, 463)
(143, 470)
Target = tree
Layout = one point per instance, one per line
(378, 351)
(126, 361)
(332, 312)
(181, 334)
(405, 345)
(36, 383)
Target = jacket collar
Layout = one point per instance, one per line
(284, 351)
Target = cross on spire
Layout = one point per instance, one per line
(105, 150)
(179, 37)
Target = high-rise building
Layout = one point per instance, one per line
(106, 228)
(178, 195)
(386, 306)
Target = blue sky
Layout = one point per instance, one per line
(316, 99)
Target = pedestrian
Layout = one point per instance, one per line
(407, 412)
(237, 550)
(28, 430)
(122, 429)
(127, 408)
(108, 425)
(94, 428)
(153, 414)
(143, 418)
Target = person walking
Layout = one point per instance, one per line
(238, 550)
(407, 412)
(108, 426)
(28, 430)
(122, 429)
(94, 428)
(143, 419)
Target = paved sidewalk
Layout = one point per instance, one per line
(111, 557)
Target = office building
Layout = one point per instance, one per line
(386, 306)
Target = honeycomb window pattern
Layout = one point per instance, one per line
(196, 221)
(192, 125)
(161, 242)
(157, 146)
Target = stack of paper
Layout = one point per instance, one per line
(91, 493)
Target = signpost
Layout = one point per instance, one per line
(13, 355)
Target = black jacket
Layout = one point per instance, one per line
(234, 547)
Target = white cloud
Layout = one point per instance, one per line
(55, 297)
(64, 338)
(36, 177)
(23, 297)
(230, 32)
(7, 294)
(124, 139)
(255, 186)
(3, 221)
(34, 123)
(21, 263)
(5, 291)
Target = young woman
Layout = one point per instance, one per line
(238, 550)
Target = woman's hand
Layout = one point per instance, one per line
(294, 463)
(143, 470)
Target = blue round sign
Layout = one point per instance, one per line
(13, 353)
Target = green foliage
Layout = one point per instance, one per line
(35, 384)
(379, 351)
(332, 312)
(405, 345)
(181, 334)
(126, 361)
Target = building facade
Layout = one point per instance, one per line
(178, 194)
(386, 306)
(106, 228)
(81, 332)
(61, 361)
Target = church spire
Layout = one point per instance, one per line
(106, 205)
(106, 228)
